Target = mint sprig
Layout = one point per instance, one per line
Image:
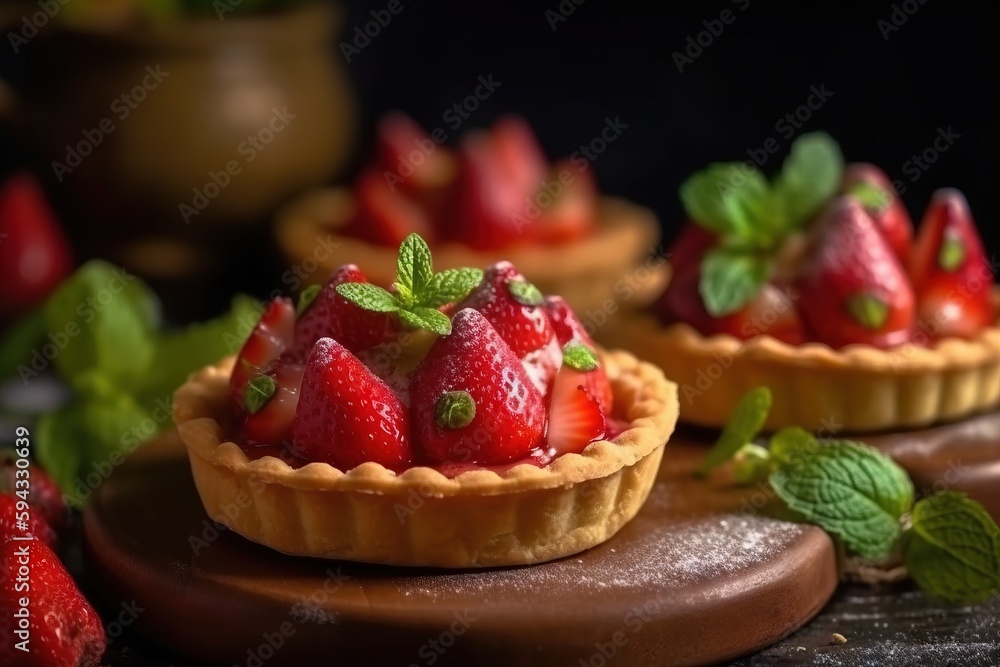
(862, 498)
(419, 292)
(751, 217)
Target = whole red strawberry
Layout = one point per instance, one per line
(269, 339)
(490, 205)
(872, 187)
(26, 520)
(386, 212)
(690, 247)
(43, 493)
(346, 415)
(326, 314)
(853, 289)
(57, 627)
(271, 399)
(472, 399)
(951, 274)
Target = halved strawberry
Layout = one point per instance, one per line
(951, 274)
(269, 339)
(853, 289)
(270, 401)
(489, 203)
(409, 153)
(571, 333)
(772, 312)
(514, 307)
(346, 415)
(521, 158)
(326, 314)
(567, 204)
(576, 418)
(874, 189)
(472, 400)
(386, 216)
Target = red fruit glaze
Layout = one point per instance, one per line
(889, 214)
(64, 629)
(853, 264)
(269, 339)
(332, 316)
(346, 415)
(509, 416)
(36, 524)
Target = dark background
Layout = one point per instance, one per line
(889, 96)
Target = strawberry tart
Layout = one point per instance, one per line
(458, 419)
(495, 196)
(815, 285)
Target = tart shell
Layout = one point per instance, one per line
(854, 389)
(526, 514)
(585, 272)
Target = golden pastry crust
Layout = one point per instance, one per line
(584, 272)
(857, 388)
(420, 517)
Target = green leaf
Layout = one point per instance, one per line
(850, 490)
(952, 549)
(751, 463)
(792, 444)
(370, 297)
(730, 279)
(810, 176)
(525, 293)
(731, 201)
(868, 310)
(952, 253)
(259, 391)
(81, 444)
(421, 317)
(450, 286)
(413, 268)
(873, 198)
(744, 424)
(579, 356)
(105, 316)
(306, 298)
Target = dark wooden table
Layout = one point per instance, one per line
(890, 626)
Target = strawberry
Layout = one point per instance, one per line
(346, 415)
(690, 247)
(571, 334)
(34, 254)
(576, 418)
(873, 188)
(63, 630)
(270, 401)
(409, 153)
(386, 214)
(951, 274)
(772, 312)
(326, 314)
(568, 202)
(25, 521)
(272, 336)
(566, 325)
(514, 308)
(490, 205)
(521, 158)
(43, 495)
(854, 289)
(472, 399)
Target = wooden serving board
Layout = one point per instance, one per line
(698, 577)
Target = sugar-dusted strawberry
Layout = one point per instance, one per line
(490, 206)
(872, 187)
(771, 312)
(346, 415)
(270, 401)
(853, 288)
(26, 520)
(521, 158)
(386, 214)
(566, 325)
(271, 337)
(472, 399)
(567, 203)
(43, 493)
(576, 417)
(413, 159)
(689, 247)
(323, 313)
(515, 309)
(63, 630)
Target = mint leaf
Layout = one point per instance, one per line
(728, 200)
(744, 424)
(421, 317)
(952, 549)
(792, 444)
(579, 356)
(370, 297)
(810, 176)
(873, 198)
(306, 298)
(450, 286)
(413, 267)
(850, 490)
(751, 462)
(952, 253)
(867, 309)
(730, 279)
